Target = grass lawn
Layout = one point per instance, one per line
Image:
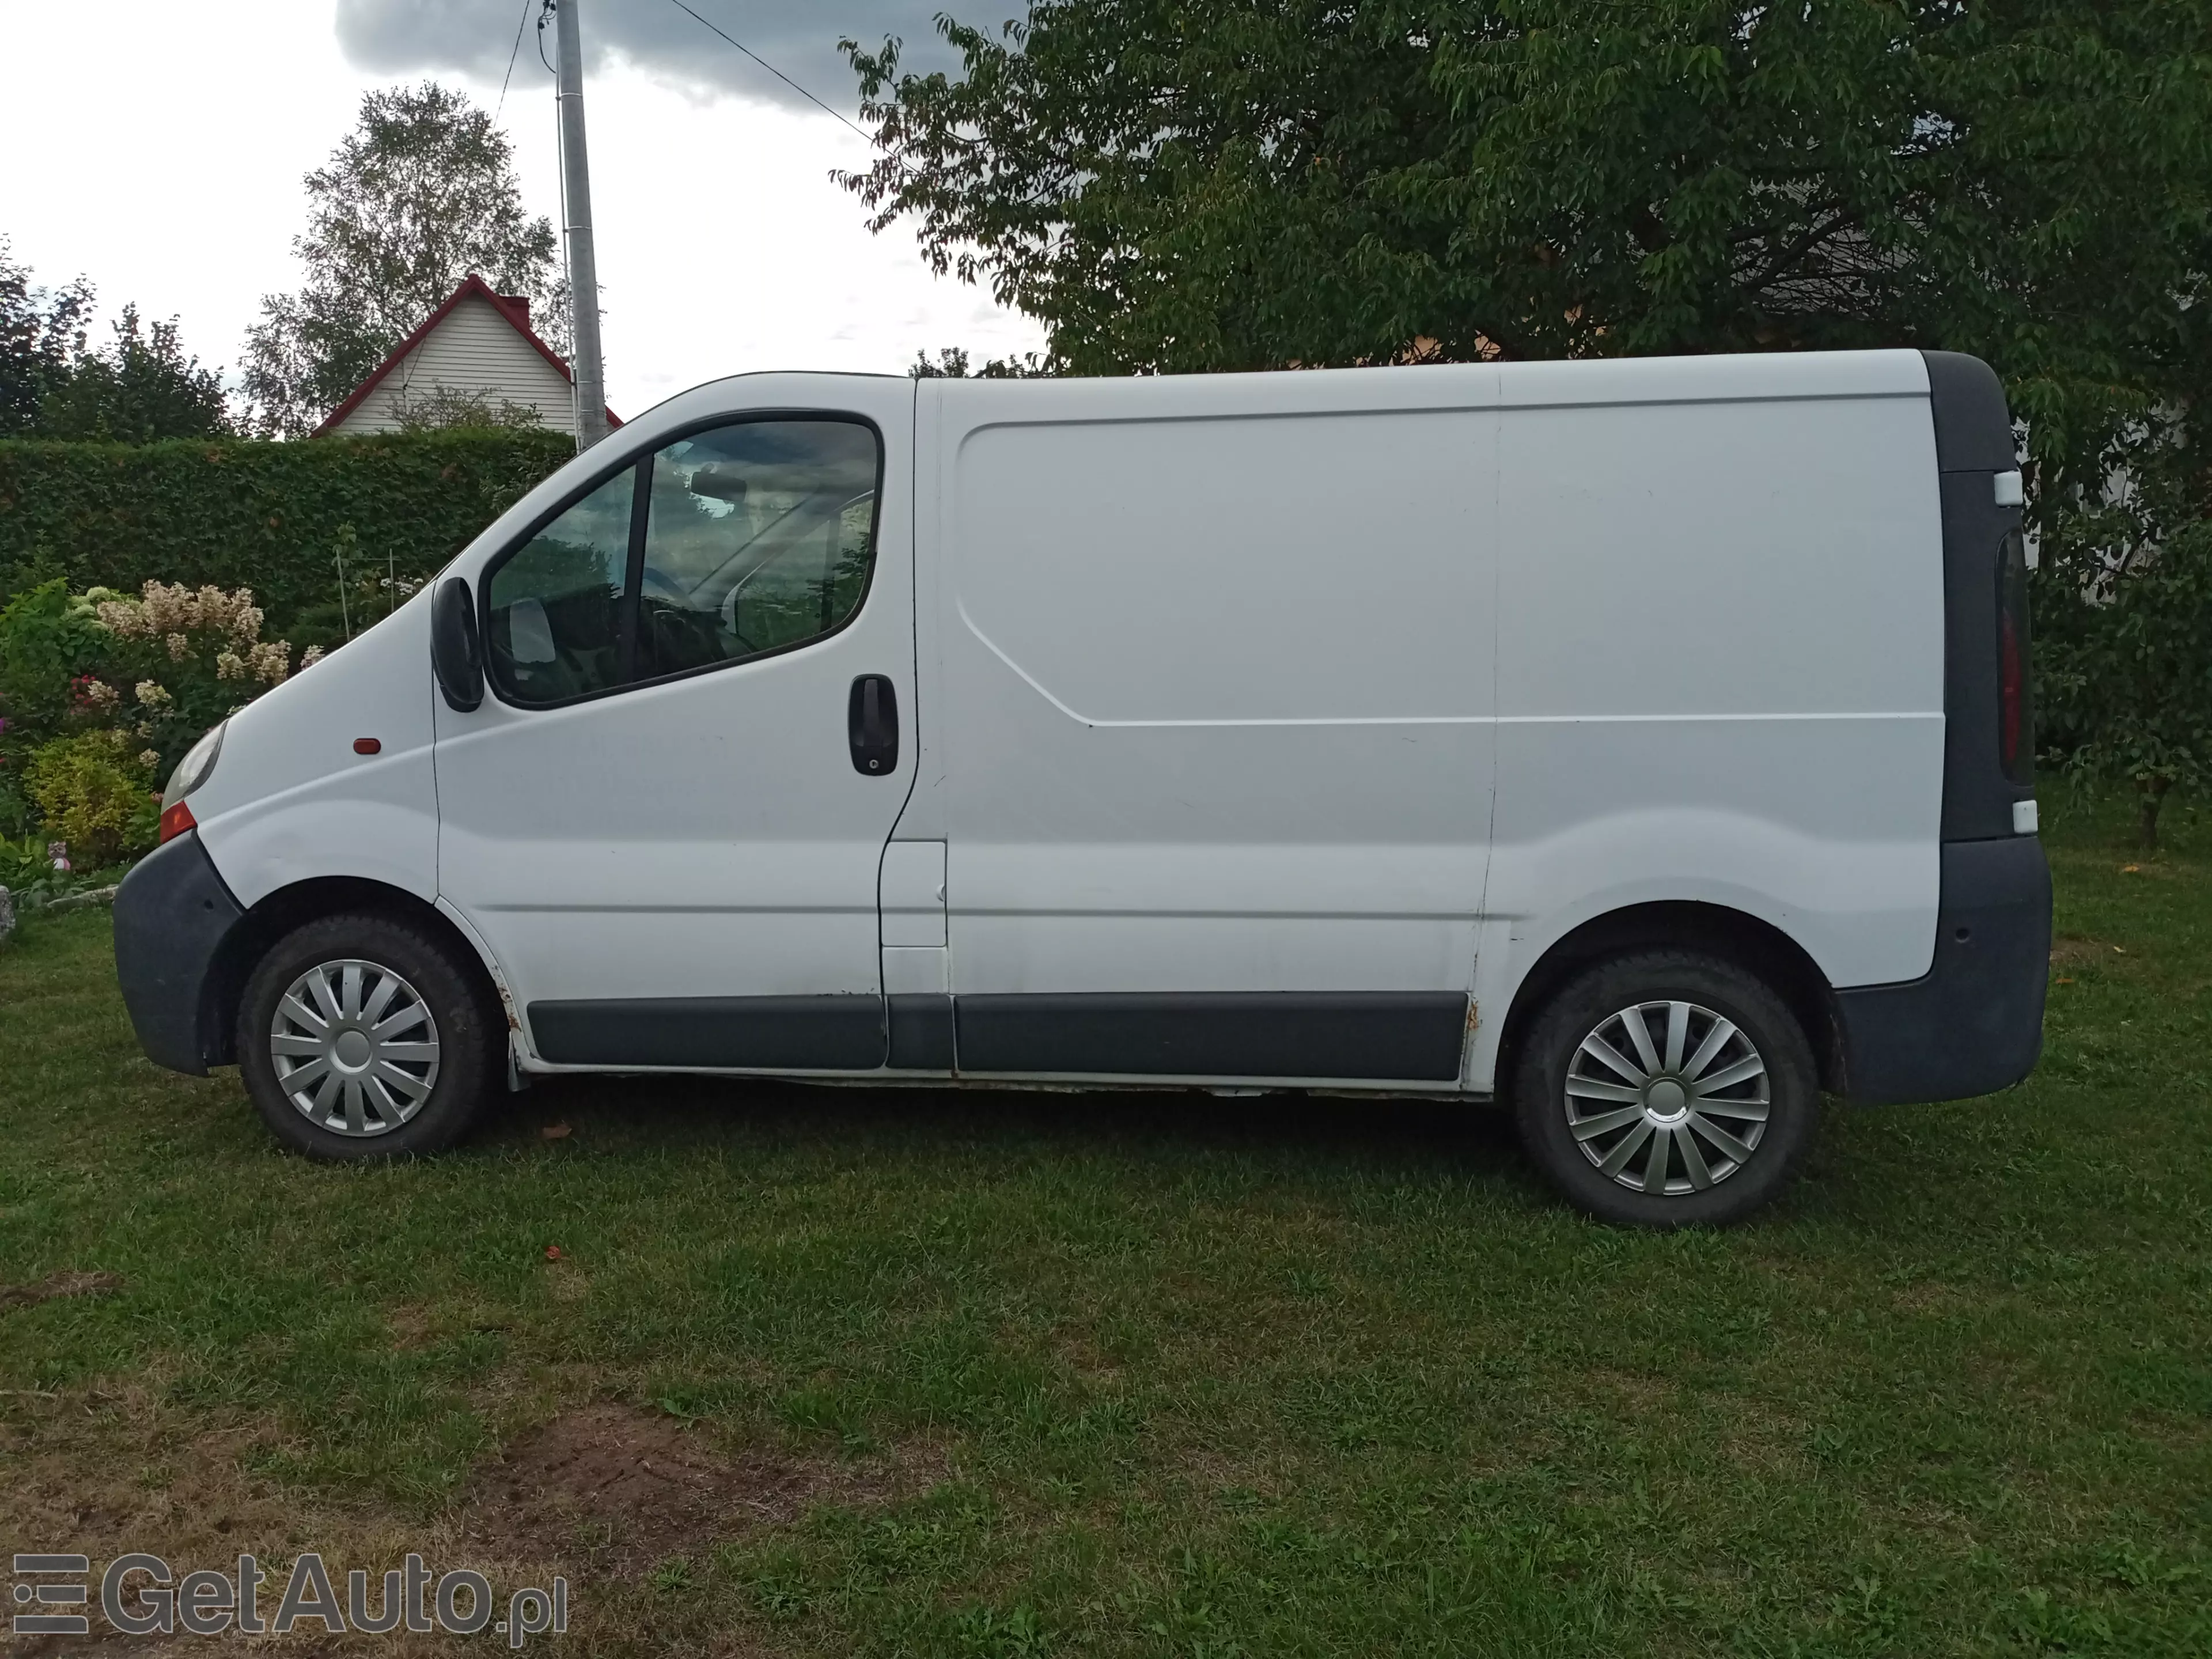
(827, 1372)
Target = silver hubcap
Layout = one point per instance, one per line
(356, 1049)
(1666, 1097)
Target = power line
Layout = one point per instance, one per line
(770, 68)
(521, 23)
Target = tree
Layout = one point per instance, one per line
(421, 192)
(1262, 183)
(952, 364)
(141, 387)
(2124, 630)
(41, 333)
(1265, 184)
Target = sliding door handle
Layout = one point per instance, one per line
(872, 725)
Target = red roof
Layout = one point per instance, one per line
(514, 309)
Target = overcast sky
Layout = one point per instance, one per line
(158, 150)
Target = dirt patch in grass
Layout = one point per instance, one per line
(1081, 1352)
(417, 1325)
(55, 1286)
(100, 1472)
(2086, 952)
(602, 1493)
(615, 1490)
(412, 1326)
(569, 1283)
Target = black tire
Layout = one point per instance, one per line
(451, 990)
(1590, 1006)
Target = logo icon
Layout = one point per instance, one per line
(46, 1596)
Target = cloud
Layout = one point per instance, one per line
(799, 37)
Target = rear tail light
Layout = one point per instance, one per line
(2015, 704)
(2012, 692)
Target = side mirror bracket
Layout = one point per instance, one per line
(456, 655)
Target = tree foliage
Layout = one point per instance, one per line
(1265, 184)
(1262, 183)
(140, 389)
(421, 192)
(141, 386)
(42, 332)
(2124, 626)
(953, 363)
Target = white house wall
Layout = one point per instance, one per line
(474, 350)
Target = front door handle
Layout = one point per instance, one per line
(872, 725)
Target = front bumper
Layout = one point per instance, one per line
(173, 913)
(1973, 1023)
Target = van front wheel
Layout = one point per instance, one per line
(363, 1036)
(1667, 1089)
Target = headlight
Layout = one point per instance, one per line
(192, 771)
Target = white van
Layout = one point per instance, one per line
(1645, 742)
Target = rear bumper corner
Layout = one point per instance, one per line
(1973, 1023)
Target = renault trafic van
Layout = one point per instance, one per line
(1645, 742)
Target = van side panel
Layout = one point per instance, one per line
(1216, 694)
(1720, 667)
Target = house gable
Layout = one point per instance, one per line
(478, 344)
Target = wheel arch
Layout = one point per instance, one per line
(279, 913)
(1757, 946)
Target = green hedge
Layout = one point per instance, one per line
(267, 516)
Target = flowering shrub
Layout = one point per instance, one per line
(189, 657)
(95, 795)
(50, 648)
(26, 871)
(102, 692)
(171, 614)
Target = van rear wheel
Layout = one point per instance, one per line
(1667, 1089)
(364, 1037)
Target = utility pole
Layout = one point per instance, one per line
(576, 215)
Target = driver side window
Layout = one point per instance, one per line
(559, 603)
(731, 543)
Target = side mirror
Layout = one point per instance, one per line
(455, 658)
